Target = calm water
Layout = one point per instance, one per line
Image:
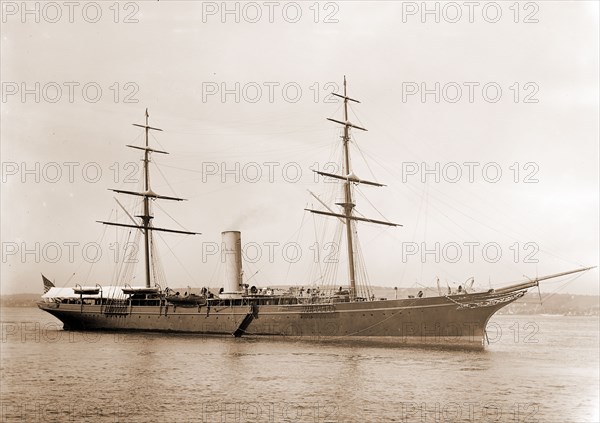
(536, 368)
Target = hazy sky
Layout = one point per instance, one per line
(483, 124)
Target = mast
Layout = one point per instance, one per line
(348, 205)
(146, 217)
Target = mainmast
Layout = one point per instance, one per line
(348, 205)
(146, 224)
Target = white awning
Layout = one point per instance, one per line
(109, 291)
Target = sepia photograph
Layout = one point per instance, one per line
(300, 211)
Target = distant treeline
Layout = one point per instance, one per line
(563, 304)
(19, 300)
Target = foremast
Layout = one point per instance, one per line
(348, 205)
(146, 216)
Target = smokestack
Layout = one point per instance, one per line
(232, 251)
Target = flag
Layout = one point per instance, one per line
(47, 284)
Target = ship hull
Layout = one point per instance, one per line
(439, 321)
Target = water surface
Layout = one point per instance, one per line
(536, 369)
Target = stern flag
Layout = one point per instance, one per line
(47, 284)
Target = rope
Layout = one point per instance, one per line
(364, 159)
(118, 268)
(98, 242)
(178, 261)
(455, 302)
(564, 285)
(172, 218)
(298, 233)
(163, 176)
(371, 204)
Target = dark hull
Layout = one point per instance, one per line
(449, 321)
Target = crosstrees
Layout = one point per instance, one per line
(351, 178)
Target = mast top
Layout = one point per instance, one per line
(146, 126)
(345, 96)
